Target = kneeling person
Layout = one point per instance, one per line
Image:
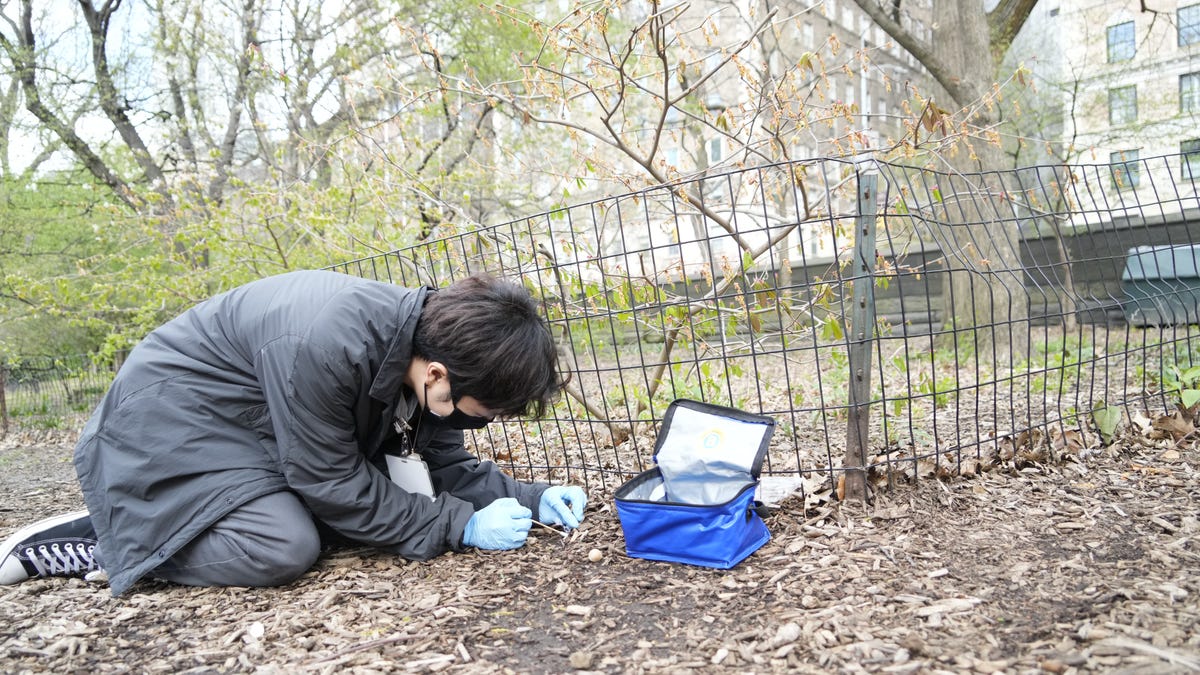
(240, 432)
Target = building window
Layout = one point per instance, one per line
(1189, 160)
(674, 118)
(714, 151)
(1122, 105)
(1189, 93)
(1126, 170)
(1188, 20)
(1120, 42)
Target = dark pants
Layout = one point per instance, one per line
(267, 542)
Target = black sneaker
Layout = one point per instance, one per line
(55, 547)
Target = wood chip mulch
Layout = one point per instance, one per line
(1077, 566)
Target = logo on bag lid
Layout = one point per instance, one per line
(712, 439)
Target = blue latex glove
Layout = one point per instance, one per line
(562, 505)
(503, 524)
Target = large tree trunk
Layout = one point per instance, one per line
(986, 294)
(987, 289)
(961, 54)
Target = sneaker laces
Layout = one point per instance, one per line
(68, 559)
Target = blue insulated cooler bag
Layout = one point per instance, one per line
(697, 505)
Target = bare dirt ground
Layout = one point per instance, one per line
(1081, 566)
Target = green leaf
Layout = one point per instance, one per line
(1107, 417)
(831, 329)
(1190, 376)
(1190, 397)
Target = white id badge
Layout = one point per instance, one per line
(411, 473)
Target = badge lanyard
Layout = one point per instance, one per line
(407, 469)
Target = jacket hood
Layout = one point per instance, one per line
(386, 387)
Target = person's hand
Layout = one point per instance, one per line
(562, 505)
(501, 525)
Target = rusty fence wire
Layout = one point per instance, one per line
(897, 322)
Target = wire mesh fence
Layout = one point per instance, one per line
(44, 390)
(897, 322)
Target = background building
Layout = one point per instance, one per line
(1135, 86)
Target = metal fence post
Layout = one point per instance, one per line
(3, 402)
(860, 338)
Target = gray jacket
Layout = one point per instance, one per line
(287, 383)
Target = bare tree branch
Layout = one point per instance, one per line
(1005, 21)
(111, 101)
(251, 16)
(23, 55)
(943, 72)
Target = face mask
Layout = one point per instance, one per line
(458, 419)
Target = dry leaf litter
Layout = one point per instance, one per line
(1083, 562)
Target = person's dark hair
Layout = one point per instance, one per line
(494, 342)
